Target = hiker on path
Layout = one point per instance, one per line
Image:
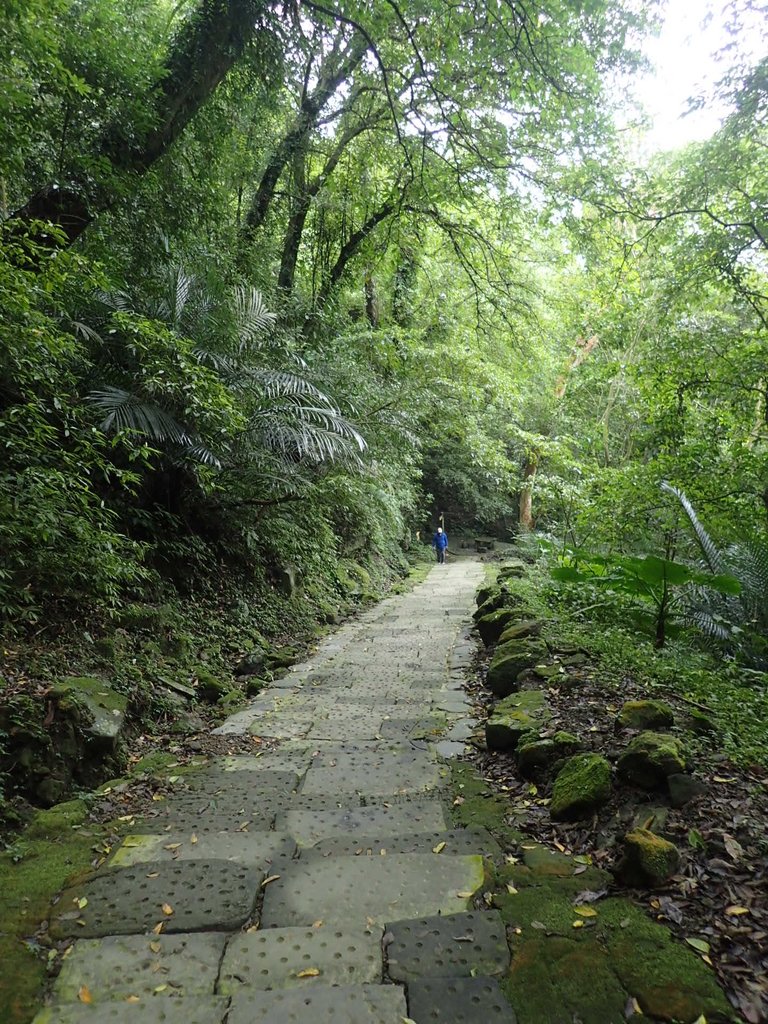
(440, 543)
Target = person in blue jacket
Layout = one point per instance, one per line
(440, 543)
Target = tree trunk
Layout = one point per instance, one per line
(208, 45)
(525, 519)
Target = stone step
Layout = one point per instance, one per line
(148, 1010)
(257, 850)
(356, 891)
(180, 896)
(123, 966)
(459, 1001)
(447, 843)
(310, 826)
(453, 946)
(280, 958)
(320, 1004)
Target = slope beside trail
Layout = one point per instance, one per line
(320, 880)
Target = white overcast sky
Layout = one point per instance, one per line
(683, 55)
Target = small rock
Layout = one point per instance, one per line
(209, 686)
(683, 788)
(252, 664)
(540, 754)
(648, 860)
(51, 790)
(514, 717)
(650, 758)
(283, 657)
(254, 685)
(509, 660)
(491, 626)
(583, 785)
(701, 723)
(645, 714)
(519, 630)
(186, 723)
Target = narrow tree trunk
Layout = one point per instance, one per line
(525, 518)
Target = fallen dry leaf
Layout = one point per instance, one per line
(310, 972)
(84, 994)
(167, 909)
(439, 848)
(268, 879)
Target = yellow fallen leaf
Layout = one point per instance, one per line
(317, 924)
(310, 972)
(159, 988)
(736, 911)
(172, 846)
(636, 1007)
(578, 924)
(700, 1020)
(82, 902)
(84, 994)
(167, 909)
(559, 846)
(465, 895)
(133, 999)
(193, 838)
(511, 889)
(268, 879)
(439, 848)
(707, 960)
(157, 797)
(155, 947)
(585, 911)
(382, 853)
(126, 817)
(158, 928)
(81, 922)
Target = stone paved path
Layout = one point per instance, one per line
(320, 881)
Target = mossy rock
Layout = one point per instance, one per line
(509, 660)
(669, 980)
(650, 758)
(582, 786)
(283, 657)
(231, 699)
(511, 570)
(210, 687)
(254, 685)
(491, 626)
(648, 860)
(645, 714)
(57, 819)
(557, 980)
(700, 723)
(539, 754)
(521, 630)
(485, 593)
(518, 715)
(104, 709)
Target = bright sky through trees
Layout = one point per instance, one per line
(684, 56)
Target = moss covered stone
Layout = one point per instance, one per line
(557, 980)
(509, 660)
(104, 708)
(645, 714)
(517, 715)
(520, 630)
(512, 570)
(283, 657)
(542, 754)
(648, 860)
(57, 819)
(650, 758)
(583, 785)
(491, 626)
(209, 686)
(669, 981)
(489, 599)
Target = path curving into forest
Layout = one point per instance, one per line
(320, 880)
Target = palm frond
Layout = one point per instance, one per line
(252, 317)
(712, 554)
(127, 411)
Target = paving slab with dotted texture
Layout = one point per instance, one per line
(451, 946)
(126, 966)
(318, 1004)
(458, 1001)
(180, 896)
(277, 958)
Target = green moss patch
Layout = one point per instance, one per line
(479, 807)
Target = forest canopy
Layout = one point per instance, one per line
(282, 282)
